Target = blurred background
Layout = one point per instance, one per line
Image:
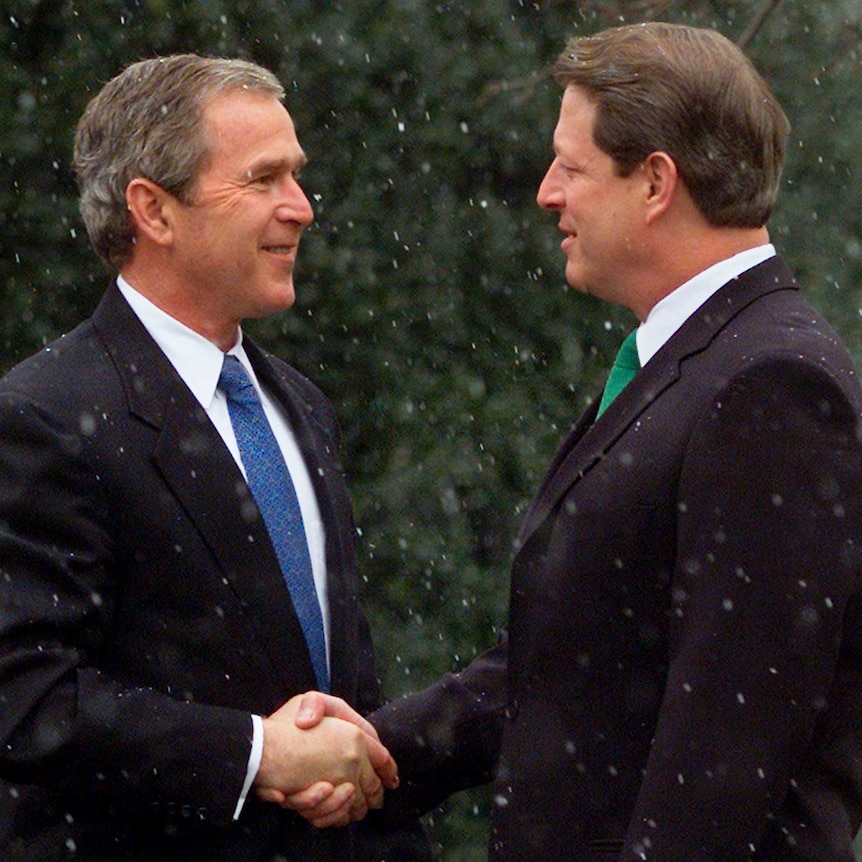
(431, 302)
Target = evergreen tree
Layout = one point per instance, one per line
(431, 302)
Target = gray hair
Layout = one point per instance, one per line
(148, 122)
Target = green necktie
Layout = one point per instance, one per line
(625, 366)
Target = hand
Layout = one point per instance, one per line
(327, 764)
(322, 804)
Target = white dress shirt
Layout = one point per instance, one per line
(669, 314)
(199, 363)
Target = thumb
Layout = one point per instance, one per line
(311, 711)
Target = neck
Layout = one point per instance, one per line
(181, 305)
(692, 255)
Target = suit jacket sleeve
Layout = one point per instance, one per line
(446, 737)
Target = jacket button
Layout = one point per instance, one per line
(512, 708)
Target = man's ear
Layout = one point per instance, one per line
(151, 209)
(662, 182)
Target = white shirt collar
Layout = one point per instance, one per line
(197, 360)
(669, 314)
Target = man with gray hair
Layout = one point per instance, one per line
(176, 541)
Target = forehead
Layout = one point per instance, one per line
(243, 124)
(577, 115)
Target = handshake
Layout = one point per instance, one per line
(324, 761)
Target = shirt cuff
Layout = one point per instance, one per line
(253, 762)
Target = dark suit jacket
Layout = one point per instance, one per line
(683, 675)
(143, 615)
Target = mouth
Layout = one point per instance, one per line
(281, 255)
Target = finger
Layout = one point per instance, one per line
(342, 817)
(307, 801)
(372, 790)
(338, 708)
(335, 810)
(312, 709)
(358, 808)
(269, 794)
(383, 763)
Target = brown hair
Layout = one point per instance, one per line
(693, 94)
(148, 122)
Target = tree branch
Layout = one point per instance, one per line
(851, 42)
(754, 28)
(618, 11)
(524, 86)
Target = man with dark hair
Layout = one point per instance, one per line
(176, 541)
(681, 675)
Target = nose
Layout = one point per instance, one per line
(294, 204)
(550, 196)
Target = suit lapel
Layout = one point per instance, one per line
(201, 473)
(591, 440)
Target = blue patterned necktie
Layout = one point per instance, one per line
(625, 366)
(275, 495)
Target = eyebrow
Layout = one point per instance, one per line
(274, 165)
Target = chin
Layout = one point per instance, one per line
(281, 298)
(576, 283)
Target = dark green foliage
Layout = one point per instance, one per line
(431, 306)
